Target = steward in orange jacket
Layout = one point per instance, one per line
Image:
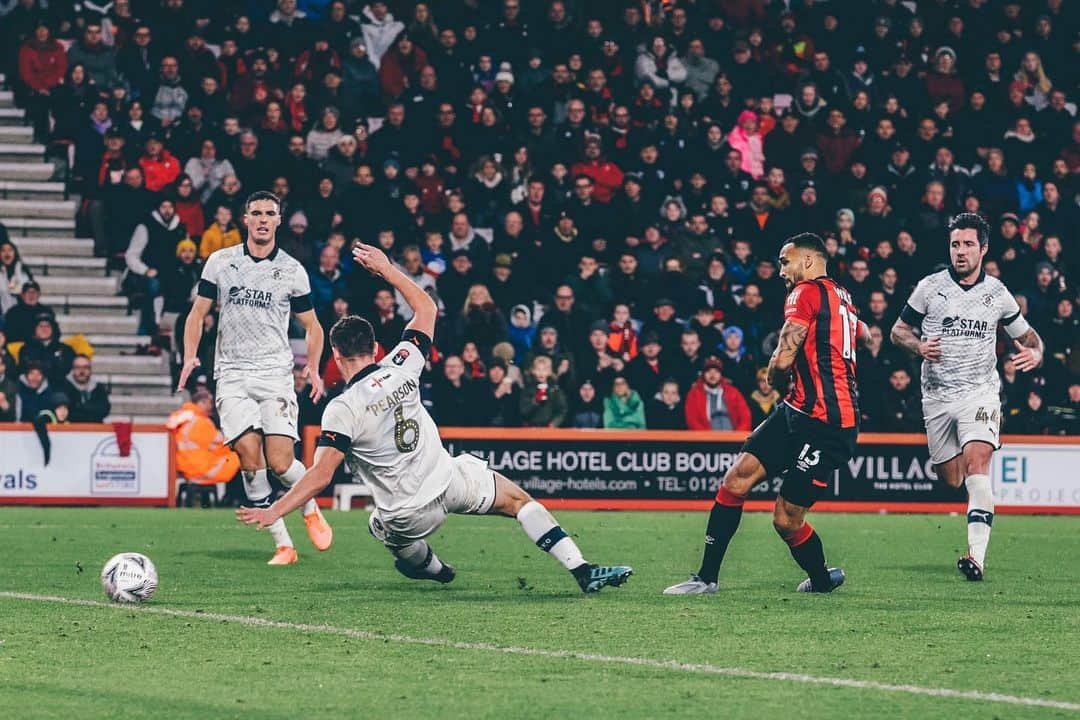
(201, 453)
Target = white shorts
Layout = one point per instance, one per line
(471, 492)
(266, 404)
(950, 425)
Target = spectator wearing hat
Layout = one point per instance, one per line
(44, 350)
(34, 393)
(178, 286)
(715, 404)
(150, 256)
(649, 368)
(359, 81)
(943, 82)
(901, 179)
(497, 397)
(379, 29)
(664, 325)
(598, 362)
(739, 364)
(160, 168)
(623, 407)
(745, 138)
(19, 320)
(325, 135)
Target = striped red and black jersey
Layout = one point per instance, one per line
(824, 385)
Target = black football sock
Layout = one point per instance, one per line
(806, 548)
(723, 522)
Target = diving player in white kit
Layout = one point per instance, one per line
(381, 429)
(959, 310)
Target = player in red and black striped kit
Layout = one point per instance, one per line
(810, 434)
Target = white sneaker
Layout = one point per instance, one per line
(693, 586)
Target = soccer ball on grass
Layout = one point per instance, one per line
(129, 578)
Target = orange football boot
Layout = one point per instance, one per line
(320, 532)
(285, 555)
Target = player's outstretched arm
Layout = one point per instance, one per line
(193, 329)
(425, 311)
(314, 338)
(792, 335)
(317, 477)
(1029, 351)
(904, 336)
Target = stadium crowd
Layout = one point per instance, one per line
(594, 192)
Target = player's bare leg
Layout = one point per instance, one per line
(249, 447)
(789, 521)
(283, 463)
(980, 511)
(723, 522)
(542, 529)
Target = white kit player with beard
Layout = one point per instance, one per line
(379, 426)
(256, 286)
(959, 310)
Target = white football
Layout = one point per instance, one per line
(129, 578)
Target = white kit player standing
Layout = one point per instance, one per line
(256, 285)
(381, 429)
(959, 310)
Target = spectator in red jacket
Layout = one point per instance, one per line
(159, 167)
(42, 64)
(715, 404)
(607, 177)
(400, 68)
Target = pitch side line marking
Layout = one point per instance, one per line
(675, 665)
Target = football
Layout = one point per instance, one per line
(129, 578)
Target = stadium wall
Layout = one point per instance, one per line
(681, 470)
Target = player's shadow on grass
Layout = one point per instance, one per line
(242, 555)
(453, 592)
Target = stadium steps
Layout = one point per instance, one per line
(53, 247)
(55, 209)
(34, 227)
(79, 285)
(16, 134)
(98, 324)
(114, 363)
(22, 153)
(63, 265)
(98, 305)
(40, 217)
(152, 407)
(31, 189)
(10, 116)
(26, 171)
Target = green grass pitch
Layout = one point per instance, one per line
(905, 617)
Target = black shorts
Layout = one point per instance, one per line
(802, 451)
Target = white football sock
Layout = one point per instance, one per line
(542, 529)
(291, 477)
(257, 488)
(420, 555)
(980, 516)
